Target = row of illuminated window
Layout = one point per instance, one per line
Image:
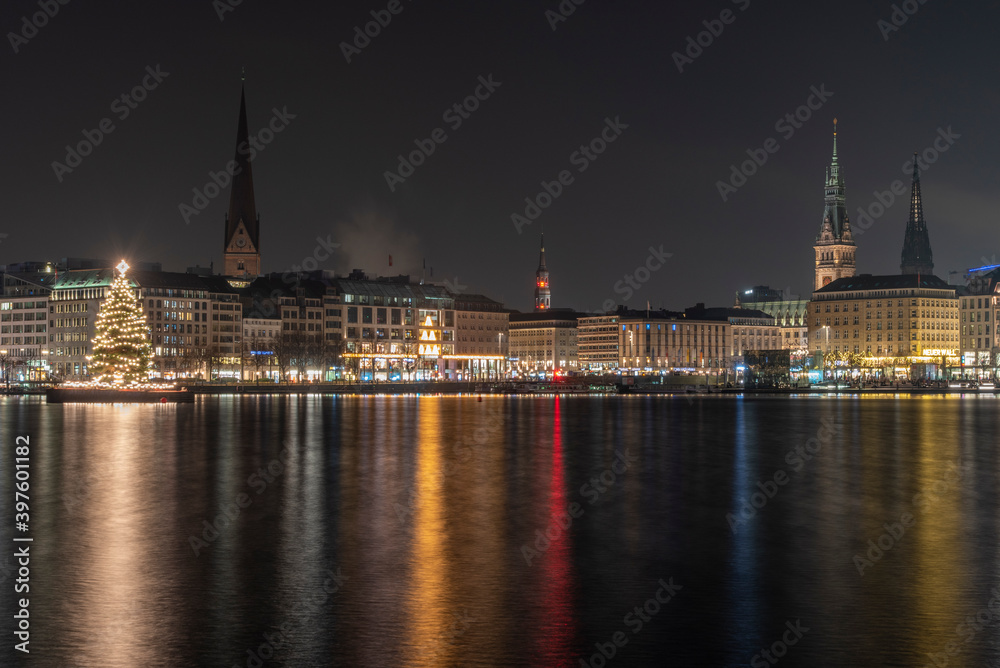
(18, 329)
(26, 340)
(173, 303)
(18, 306)
(933, 303)
(70, 322)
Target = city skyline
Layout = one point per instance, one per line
(657, 180)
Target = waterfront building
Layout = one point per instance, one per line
(194, 322)
(597, 342)
(899, 320)
(979, 308)
(749, 329)
(24, 317)
(395, 329)
(834, 250)
(481, 336)
(260, 343)
(791, 315)
(544, 342)
(655, 341)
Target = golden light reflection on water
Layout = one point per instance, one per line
(428, 597)
(938, 544)
(115, 610)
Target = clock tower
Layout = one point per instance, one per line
(834, 248)
(242, 242)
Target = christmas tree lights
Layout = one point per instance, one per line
(122, 353)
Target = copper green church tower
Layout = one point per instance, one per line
(835, 247)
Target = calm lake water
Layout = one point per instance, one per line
(410, 531)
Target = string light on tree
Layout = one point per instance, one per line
(122, 353)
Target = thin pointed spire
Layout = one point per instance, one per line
(835, 141)
(241, 196)
(917, 257)
(916, 206)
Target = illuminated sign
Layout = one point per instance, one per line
(429, 346)
(934, 352)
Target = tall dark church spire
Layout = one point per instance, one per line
(543, 298)
(242, 241)
(835, 247)
(916, 257)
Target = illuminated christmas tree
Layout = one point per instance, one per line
(121, 349)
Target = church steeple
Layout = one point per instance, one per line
(242, 240)
(916, 257)
(543, 298)
(835, 247)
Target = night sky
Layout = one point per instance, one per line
(324, 174)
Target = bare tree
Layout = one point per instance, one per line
(254, 349)
(281, 355)
(300, 350)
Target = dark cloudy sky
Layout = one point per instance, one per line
(323, 176)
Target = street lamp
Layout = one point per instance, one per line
(5, 367)
(826, 349)
(499, 352)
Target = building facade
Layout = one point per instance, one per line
(544, 343)
(597, 342)
(194, 322)
(790, 315)
(481, 337)
(24, 318)
(902, 320)
(979, 308)
(260, 337)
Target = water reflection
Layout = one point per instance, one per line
(425, 503)
(557, 629)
